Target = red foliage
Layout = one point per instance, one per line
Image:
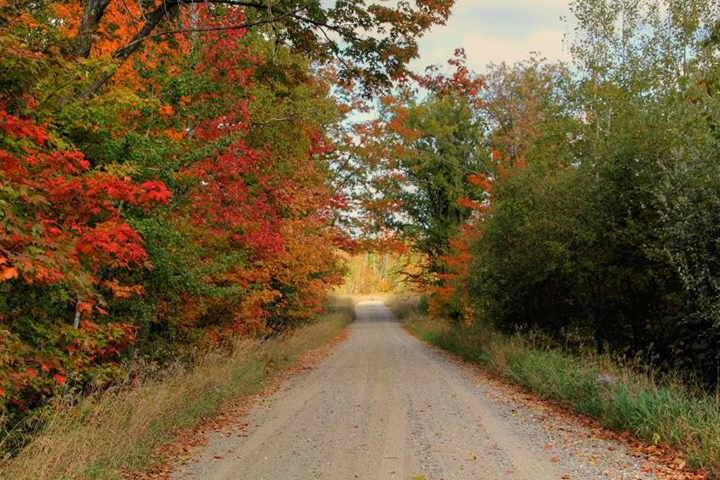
(261, 248)
(69, 217)
(462, 81)
(64, 224)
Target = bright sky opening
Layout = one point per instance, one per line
(493, 31)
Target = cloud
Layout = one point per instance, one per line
(483, 49)
(531, 4)
(498, 30)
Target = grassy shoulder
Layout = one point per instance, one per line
(118, 430)
(623, 397)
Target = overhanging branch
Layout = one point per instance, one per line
(153, 20)
(274, 15)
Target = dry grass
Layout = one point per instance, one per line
(99, 437)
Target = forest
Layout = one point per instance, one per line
(178, 175)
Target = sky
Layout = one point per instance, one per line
(498, 30)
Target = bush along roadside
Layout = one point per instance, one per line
(120, 429)
(624, 396)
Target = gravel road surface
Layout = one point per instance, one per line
(383, 405)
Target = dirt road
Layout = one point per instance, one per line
(384, 405)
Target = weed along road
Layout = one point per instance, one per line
(384, 405)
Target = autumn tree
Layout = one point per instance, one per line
(432, 180)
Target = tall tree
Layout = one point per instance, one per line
(434, 176)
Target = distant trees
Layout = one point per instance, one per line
(411, 164)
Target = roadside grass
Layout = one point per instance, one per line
(99, 437)
(653, 408)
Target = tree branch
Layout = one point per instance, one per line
(129, 13)
(133, 45)
(348, 32)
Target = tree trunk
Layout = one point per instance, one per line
(92, 14)
(76, 320)
(122, 54)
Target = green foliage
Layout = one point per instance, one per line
(435, 178)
